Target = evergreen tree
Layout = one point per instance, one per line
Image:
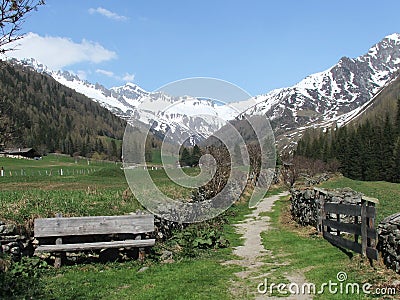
(387, 149)
(195, 157)
(186, 158)
(395, 163)
(397, 120)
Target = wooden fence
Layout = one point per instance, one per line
(46, 172)
(344, 224)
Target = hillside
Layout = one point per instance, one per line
(384, 104)
(368, 147)
(37, 111)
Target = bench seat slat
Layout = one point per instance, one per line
(57, 227)
(93, 246)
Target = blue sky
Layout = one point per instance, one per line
(257, 45)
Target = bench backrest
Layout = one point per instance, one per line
(50, 227)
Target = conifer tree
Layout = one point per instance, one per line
(395, 163)
(185, 159)
(195, 157)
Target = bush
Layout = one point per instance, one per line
(200, 236)
(21, 280)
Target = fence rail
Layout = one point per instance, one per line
(46, 172)
(344, 224)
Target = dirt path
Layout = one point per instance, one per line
(252, 254)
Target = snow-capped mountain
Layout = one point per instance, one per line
(334, 96)
(183, 117)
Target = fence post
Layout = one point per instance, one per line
(371, 242)
(322, 214)
(364, 227)
(356, 235)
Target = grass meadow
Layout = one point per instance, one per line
(103, 191)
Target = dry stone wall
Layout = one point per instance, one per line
(14, 243)
(306, 204)
(389, 241)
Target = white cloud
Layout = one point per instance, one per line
(126, 78)
(58, 52)
(108, 14)
(106, 73)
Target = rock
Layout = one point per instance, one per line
(11, 238)
(396, 283)
(389, 241)
(165, 255)
(142, 269)
(15, 250)
(6, 229)
(168, 261)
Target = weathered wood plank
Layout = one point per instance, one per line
(348, 209)
(93, 246)
(370, 199)
(59, 258)
(93, 225)
(349, 228)
(372, 253)
(322, 215)
(364, 224)
(341, 242)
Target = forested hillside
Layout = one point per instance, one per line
(36, 111)
(367, 148)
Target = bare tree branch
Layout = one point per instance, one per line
(13, 13)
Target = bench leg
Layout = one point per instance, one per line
(59, 255)
(142, 254)
(58, 261)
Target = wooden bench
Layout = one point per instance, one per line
(60, 235)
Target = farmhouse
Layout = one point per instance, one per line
(28, 153)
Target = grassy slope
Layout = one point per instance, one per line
(23, 198)
(187, 279)
(299, 249)
(202, 278)
(384, 104)
(387, 193)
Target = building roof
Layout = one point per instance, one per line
(17, 151)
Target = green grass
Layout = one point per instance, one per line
(50, 168)
(156, 158)
(299, 249)
(49, 161)
(23, 198)
(22, 206)
(300, 253)
(102, 192)
(201, 278)
(387, 193)
(186, 279)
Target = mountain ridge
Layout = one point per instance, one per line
(39, 112)
(322, 99)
